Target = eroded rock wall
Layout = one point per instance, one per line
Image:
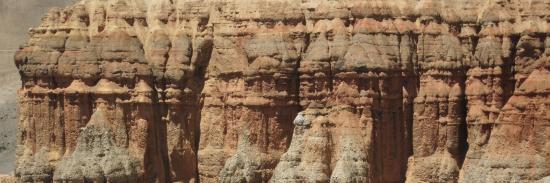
(287, 91)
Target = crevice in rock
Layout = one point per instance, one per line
(200, 74)
(509, 71)
(475, 41)
(463, 130)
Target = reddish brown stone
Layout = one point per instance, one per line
(287, 91)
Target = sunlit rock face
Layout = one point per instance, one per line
(287, 91)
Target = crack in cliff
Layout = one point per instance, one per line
(509, 69)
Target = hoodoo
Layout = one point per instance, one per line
(379, 91)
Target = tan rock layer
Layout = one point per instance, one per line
(287, 91)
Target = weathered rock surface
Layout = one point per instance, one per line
(287, 91)
(96, 158)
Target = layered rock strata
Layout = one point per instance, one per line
(286, 91)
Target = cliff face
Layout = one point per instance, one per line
(18, 16)
(287, 91)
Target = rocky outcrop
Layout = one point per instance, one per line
(286, 91)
